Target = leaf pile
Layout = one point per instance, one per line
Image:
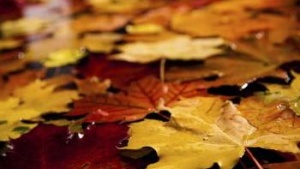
(130, 84)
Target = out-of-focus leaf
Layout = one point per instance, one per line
(121, 6)
(134, 102)
(64, 57)
(201, 132)
(24, 26)
(18, 80)
(93, 148)
(100, 66)
(227, 70)
(99, 23)
(226, 18)
(9, 44)
(176, 48)
(29, 102)
(144, 29)
(100, 42)
(92, 86)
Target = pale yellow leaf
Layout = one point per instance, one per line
(176, 48)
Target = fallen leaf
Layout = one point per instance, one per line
(226, 18)
(23, 27)
(277, 126)
(134, 102)
(226, 70)
(99, 23)
(119, 6)
(176, 48)
(202, 131)
(64, 57)
(9, 44)
(289, 96)
(15, 81)
(100, 66)
(29, 102)
(48, 146)
(92, 86)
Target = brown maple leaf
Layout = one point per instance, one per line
(134, 102)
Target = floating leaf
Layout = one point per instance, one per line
(29, 102)
(98, 65)
(224, 70)
(64, 57)
(288, 95)
(92, 86)
(24, 26)
(134, 102)
(94, 148)
(177, 48)
(226, 18)
(201, 132)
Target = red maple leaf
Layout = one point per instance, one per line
(134, 102)
(119, 72)
(53, 147)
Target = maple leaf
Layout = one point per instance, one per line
(99, 23)
(29, 102)
(201, 132)
(227, 70)
(120, 6)
(64, 57)
(176, 48)
(226, 17)
(277, 126)
(92, 86)
(21, 27)
(134, 102)
(98, 65)
(48, 146)
(9, 44)
(15, 81)
(289, 96)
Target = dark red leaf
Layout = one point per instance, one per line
(120, 73)
(52, 147)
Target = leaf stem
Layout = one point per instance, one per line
(251, 156)
(162, 68)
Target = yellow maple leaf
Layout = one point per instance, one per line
(289, 96)
(24, 26)
(176, 48)
(64, 57)
(201, 132)
(231, 20)
(30, 102)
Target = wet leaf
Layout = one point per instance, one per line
(22, 27)
(134, 102)
(29, 102)
(100, 66)
(201, 132)
(224, 70)
(226, 18)
(176, 48)
(64, 57)
(289, 96)
(94, 148)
